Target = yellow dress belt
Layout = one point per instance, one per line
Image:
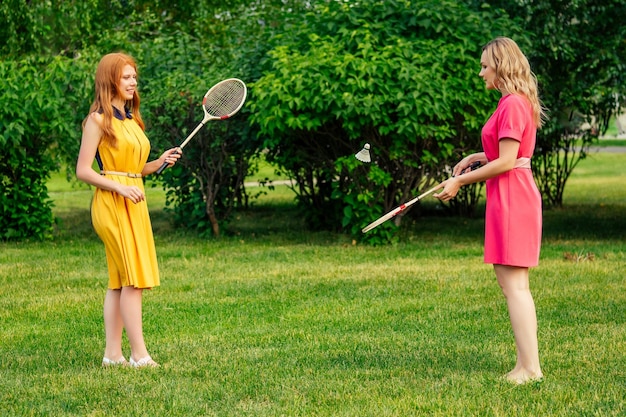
(121, 174)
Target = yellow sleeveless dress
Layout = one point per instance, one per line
(123, 226)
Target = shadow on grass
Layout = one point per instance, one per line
(284, 222)
(593, 221)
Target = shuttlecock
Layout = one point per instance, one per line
(364, 154)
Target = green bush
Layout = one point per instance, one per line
(399, 75)
(38, 117)
(208, 183)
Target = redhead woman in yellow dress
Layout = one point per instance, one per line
(113, 134)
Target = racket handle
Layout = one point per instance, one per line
(165, 164)
(182, 145)
(162, 168)
(473, 166)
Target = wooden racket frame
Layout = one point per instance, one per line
(208, 117)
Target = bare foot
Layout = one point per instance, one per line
(521, 376)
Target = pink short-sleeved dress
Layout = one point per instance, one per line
(513, 219)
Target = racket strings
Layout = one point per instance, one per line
(225, 99)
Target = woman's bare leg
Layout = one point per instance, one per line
(130, 306)
(113, 325)
(515, 285)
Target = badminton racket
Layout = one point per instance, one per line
(222, 101)
(406, 205)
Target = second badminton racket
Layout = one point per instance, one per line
(406, 205)
(396, 211)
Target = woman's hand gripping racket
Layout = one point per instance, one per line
(404, 206)
(222, 101)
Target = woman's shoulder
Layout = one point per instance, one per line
(93, 121)
(514, 103)
(514, 100)
(95, 117)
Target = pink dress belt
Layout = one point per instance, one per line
(522, 163)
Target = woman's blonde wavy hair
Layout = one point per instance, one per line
(513, 73)
(108, 76)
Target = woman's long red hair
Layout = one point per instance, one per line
(108, 76)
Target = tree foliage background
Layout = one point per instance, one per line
(324, 77)
(401, 76)
(579, 54)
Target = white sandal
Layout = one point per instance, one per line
(144, 362)
(110, 362)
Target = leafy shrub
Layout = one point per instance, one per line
(37, 117)
(399, 75)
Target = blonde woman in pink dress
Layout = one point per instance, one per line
(513, 218)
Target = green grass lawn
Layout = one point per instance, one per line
(275, 321)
